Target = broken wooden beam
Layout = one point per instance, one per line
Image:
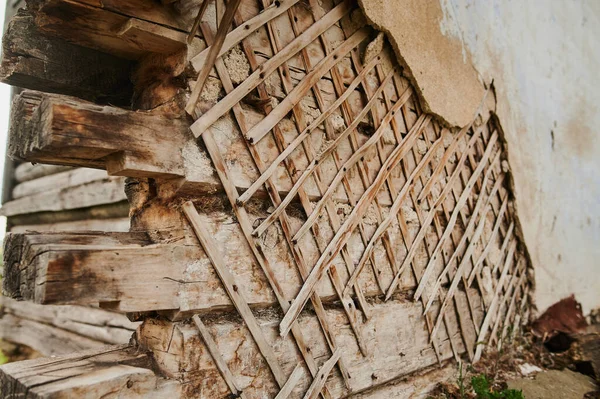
(123, 371)
(32, 60)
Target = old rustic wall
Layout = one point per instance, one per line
(544, 59)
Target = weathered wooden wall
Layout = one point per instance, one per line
(299, 226)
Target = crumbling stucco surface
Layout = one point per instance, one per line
(544, 58)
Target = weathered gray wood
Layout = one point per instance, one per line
(98, 325)
(29, 171)
(61, 180)
(94, 224)
(106, 191)
(131, 272)
(114, 371)
(50, 219)
(35, 61)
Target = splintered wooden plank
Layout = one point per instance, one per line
(94, 373)
(32, 60)
(257, 77)
(58, 129)
(321, 377)
(211, 247)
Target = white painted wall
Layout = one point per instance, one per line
(544, 56)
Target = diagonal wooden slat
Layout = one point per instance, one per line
(291, 383)
(321, 377)
(239, 116)
(344, 233)
(432, 211)
(265, 69)
(243, 31)
(216, 355)
(212, 55)
(211, 248)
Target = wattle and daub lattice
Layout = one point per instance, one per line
(355, 170)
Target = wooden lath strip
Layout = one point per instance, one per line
(307, 205)
(335, 279)
(239, 116)
(245, 197)
(395, 208)
(313, 166)
(199, 16)
(268, 67)
(490, 313)
(243, 31)
(321, 377)
(256, 247)
(291, 383)
(511, 308)
(211, 248)
(216, 355)
(345, 232)
(356, 157)
(491, 241)
(458, 277)
(401, 222)
(437, 225)
(425, 225)
(468, 229)
(319, 70)
(212, 56)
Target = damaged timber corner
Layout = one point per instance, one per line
(300, 227)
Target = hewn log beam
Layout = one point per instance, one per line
(157, 144)
(131, 272)
(35, 61)
(115, 371)
(128, 29)
(395, 332)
